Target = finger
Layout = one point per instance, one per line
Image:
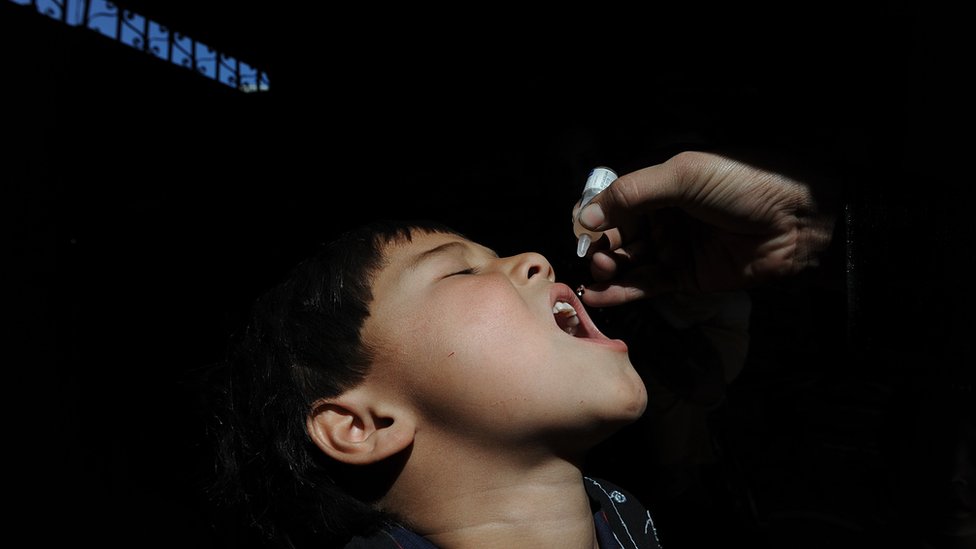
(640, 283)
(605, 264)
(608, 241)
(631, 195)
(615, 237)
(633, 230)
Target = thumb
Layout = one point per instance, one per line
(631, 195)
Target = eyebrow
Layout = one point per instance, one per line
(447, 247)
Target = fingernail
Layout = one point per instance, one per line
(592, 217)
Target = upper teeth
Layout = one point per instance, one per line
(561, 307)
(568, 314)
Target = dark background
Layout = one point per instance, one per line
(149, 205)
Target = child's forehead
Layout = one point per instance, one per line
(409, 253)
(419, 244)
(405, 262)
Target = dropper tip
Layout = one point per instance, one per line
(582, 245)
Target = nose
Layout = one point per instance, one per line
(528, 266)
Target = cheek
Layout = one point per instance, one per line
(477, 354)
(487, 342)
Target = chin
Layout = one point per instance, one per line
(629, 407)
(633, 398)
(641, 406)
(635, 410)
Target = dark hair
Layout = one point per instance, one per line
(301, 343)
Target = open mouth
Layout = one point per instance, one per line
(570, 316)
(566, 317)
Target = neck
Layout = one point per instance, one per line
(487, 501)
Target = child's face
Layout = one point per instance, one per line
(469, 340)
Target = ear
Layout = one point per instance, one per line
(357, 429)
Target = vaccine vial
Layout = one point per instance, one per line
(599, 178)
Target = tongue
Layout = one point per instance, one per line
(568, 323)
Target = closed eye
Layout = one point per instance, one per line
(468, 271)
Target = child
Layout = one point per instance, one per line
(406, 387)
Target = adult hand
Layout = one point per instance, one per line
(700, 222)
